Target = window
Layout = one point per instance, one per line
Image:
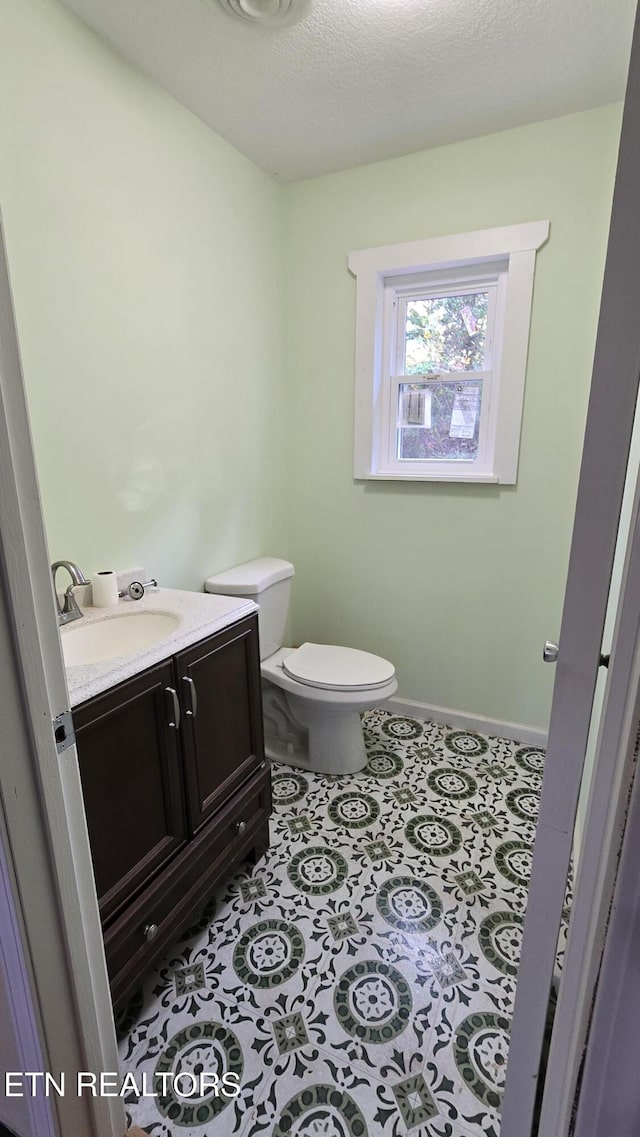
(442, 328)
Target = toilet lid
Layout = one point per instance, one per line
(337, 668)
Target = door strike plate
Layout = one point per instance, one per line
(63, 731)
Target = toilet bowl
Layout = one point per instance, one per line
(313, 695)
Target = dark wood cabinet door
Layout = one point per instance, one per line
(130, 768)
(223, 741)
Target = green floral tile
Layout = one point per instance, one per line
(360, 979)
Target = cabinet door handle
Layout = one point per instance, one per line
(150, 931)
(193, 695)
(240, 826)
(176, 708)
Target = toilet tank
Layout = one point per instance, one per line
(268, 582)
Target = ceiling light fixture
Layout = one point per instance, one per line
(267, 11)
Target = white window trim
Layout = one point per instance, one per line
(516, 244)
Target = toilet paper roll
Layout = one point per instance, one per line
(105, 589)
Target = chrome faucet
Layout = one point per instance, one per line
(69, 610)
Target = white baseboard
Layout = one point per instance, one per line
(527, 735)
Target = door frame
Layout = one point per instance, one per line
(606, 828)
(20, 1036)
(46, 834)
(609, 1097)
(603, 472)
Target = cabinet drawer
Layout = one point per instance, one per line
(169, 902)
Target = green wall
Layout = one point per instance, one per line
(145, 256)
(458, 585)
(187, 333)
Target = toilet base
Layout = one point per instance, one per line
(324, 738)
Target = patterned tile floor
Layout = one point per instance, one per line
(359, 980)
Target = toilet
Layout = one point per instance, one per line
(313, 695)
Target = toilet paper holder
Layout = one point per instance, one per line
(136, 589)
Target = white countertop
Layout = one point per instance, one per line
(199, 614)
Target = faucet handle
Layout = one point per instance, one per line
(136, 589)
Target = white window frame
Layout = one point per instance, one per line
(397, 291)
(504, 256)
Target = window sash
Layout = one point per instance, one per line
(433, 291)
(438, 467)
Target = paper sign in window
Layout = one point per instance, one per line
(466, 407)
(415, 406)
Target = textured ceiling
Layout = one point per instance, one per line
(361, 80)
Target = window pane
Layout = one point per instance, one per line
(446, 333)
(439, 420)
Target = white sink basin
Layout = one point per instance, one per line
(119, 635)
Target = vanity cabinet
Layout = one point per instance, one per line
(176, 791)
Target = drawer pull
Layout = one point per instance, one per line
(193, 694)
(150, 931)
(175, 722)
(240, 826)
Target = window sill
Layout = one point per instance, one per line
(486, 479)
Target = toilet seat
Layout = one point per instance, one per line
(337, 668)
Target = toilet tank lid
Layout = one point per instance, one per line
(250, 578)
